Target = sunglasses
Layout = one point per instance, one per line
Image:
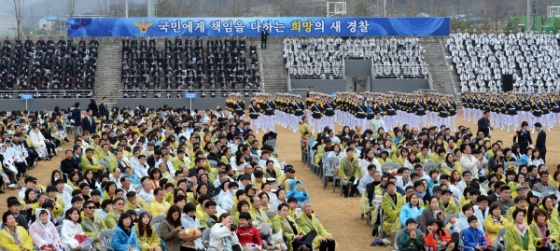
(90, 207)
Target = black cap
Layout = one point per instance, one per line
(244, 177)
(130, 194)
(446, 191)
(290, 170)
(437, 189)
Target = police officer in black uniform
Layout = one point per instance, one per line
(523, 137)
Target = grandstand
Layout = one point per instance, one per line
(323, 57)
(195, 65)
(480, 60)
(47, 69)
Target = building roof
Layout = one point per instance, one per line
(51, 18)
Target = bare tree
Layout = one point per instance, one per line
(104, 7)
(69, 6)
(18, 8)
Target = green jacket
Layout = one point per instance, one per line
(349, 169)
(112, 218)
(92, 228)
(406, 243)
(307, 224)
(518, 242)
(279, 223)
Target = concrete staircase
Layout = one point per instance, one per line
(443, 76)
(274, 75)
(107, 83)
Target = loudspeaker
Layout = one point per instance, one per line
(507, 82)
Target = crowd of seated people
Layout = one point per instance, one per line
(320, 57)
(46, 65)
(428, 187)
(480, 60)
(190, 172)
(189, 63)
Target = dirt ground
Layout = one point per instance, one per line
(339, 216)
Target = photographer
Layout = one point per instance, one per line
(222, 235)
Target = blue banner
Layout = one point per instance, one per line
(252, 27)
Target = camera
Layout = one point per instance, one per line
(233, 227)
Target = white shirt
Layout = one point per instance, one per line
(478, 213)
(401, 183)
(470, 163)
(146, 196)
(376, 124)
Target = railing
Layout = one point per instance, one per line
(61, 93)
(294, 71)
(289, 82)
(175, 93)
(343, 69)
(401, 68)
(430, 81)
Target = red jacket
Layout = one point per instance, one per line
(248, 235)
(430, 240)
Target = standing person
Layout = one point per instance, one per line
(76, 116)
(254, 112)
(317, 112)
(103, 109)
(89, 123)
(541, 140)
(93, 106)
(523, 137)
(264, 37)
(484, 124)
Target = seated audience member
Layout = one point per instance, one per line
(411, 210)
(308, 222)
(473, 237)
(222, 235)
(518, 234)
(124, 237)
(248, 235)
(12, 236)
(438, 237)
(43, 232)
(411, 238)
(292, 233)
(72, 235)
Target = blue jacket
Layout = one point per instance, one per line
(300, 196)
(523, 160)
(472, 237)
(120, 241)
(408, 213)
